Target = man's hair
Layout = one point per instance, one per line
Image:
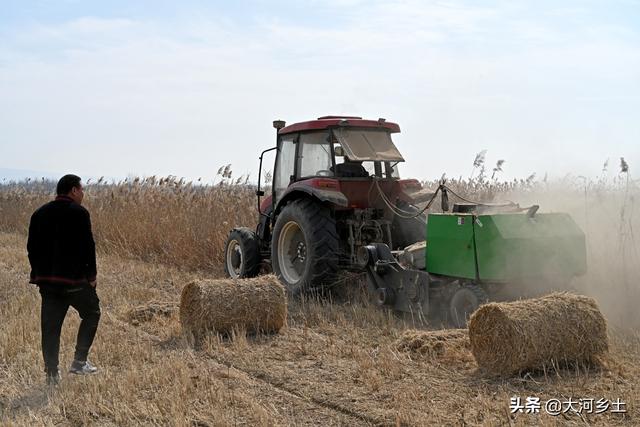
(67, 183)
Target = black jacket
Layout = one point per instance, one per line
(61, 249)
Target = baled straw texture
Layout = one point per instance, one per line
(254, 305)
(433, 343)
(508, 338)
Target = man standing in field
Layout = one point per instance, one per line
(62, 255)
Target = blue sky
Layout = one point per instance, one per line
(157, 87)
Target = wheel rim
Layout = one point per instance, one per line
(235, 259)
(463, 304)
(292, 252)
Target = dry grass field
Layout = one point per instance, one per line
(337, 362)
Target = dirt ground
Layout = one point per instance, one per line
(336, 363)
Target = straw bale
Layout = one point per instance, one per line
(560, 328)
(433, 343)
(255, 305)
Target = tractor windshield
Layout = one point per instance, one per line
(357, 154)
(367, 145)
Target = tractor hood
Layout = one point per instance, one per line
(367, 145)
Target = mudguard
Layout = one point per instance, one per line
(329, 196)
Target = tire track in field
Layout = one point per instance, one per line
(261, 376)
(258, 376)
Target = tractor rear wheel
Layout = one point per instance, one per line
(242, 254)
(304, 246)
(464, 301)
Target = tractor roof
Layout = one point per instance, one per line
(327, 122)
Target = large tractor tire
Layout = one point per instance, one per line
(463, 302)
(242, 254)
(407, 231)
(304, 246)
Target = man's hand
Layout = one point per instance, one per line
(93, 283)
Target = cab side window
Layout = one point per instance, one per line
(285, 164)
(315, 155)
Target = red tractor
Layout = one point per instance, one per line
(335, 189)
(337, 204)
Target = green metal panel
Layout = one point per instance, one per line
(509, 247)
(450, 249)
(514, 246)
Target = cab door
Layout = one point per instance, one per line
(284, 172)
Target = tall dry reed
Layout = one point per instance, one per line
(169, 220)
(164, 220)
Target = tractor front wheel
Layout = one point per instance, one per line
(304, 246)
(242, 254)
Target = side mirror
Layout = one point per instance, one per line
(259, 193)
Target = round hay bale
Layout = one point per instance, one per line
(508, 338)
(254, 305)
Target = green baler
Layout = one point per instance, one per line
(505, 247)
(469, 256)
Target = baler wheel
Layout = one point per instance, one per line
(464, 301)
(304, 246)
(242, 254)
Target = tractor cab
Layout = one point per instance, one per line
(338, 148)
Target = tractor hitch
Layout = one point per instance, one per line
(391, 284)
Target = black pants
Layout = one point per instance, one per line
(54, 309)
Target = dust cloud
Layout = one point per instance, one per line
(609, 218)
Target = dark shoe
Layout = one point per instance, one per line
(82, 368)
(53, 379)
